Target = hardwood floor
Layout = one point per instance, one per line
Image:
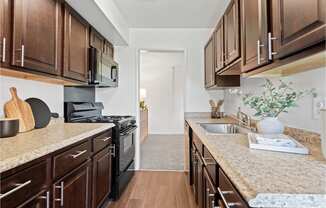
(157, 189)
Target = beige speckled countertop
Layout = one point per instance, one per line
(264, 178)
(25, 147)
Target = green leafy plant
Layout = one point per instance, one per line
(275, 99)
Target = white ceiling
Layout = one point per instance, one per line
(171, 13)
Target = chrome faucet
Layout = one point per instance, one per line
(243, 118)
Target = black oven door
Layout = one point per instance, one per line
(126, 148)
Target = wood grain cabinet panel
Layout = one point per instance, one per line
(37, 36)
(76, 44)
(73, 190)
(102, 177)
(254, 34)
(209, 64)
(24, 185)
(5, 37)
(219, 45)
(232, 32)
(296, 25)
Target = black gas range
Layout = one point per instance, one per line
(124, 134)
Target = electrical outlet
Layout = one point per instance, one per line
(318, 103)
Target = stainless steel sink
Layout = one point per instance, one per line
(218, 128)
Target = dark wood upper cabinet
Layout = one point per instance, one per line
(254, 34)
(296, 25)
(219, 46)
(5, 37)
(73, 190)
(102, 177)
(108, 49)
(76, 44)
(209, 64)
(96, 40)
(37, 35)
(232, 32)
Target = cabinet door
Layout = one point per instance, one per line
(76, 32)
(219, 46)
(232, 32)
(102, 177)
(254, 34)
(40, 201)
(96, 40)
(5, 21)
(297, 24)
(194, 172)
(37, 35)
(209, 64)
(73, 190)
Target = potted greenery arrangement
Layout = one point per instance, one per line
(273, 101)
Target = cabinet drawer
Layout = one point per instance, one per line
(22, 186)
(102, 140)
(228, 193)
(210, 165)
(70, 159)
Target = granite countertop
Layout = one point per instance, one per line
(267, 179)
(25, 147)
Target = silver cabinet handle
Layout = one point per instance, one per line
(223, 198)
(47, 198)
(208, 163)
(79, 153)
(61, 193)
(228, 205)
(17, 187)
(106, 139)
(270, 50)
(258, 51)
(22, 56)
(112, 149)
(4, 50)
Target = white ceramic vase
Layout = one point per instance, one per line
(270, 125)
(323, 134)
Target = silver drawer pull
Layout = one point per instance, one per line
(47, 198)
(258, 51)
(61, 193)
(79, 153)
(18, 186)
(106, 139)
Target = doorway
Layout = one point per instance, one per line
(162, 82)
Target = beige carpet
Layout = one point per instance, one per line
(162, 152)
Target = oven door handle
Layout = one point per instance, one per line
(129, 131)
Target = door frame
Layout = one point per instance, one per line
(137, 88)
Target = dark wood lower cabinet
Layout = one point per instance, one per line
(73, 190)
(209, 191)
(102, 171)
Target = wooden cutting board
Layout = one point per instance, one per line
(17, 108)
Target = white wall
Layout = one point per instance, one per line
(299, 117)
(51, 94)
(162, 75)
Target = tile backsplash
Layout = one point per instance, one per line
(299, 117)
